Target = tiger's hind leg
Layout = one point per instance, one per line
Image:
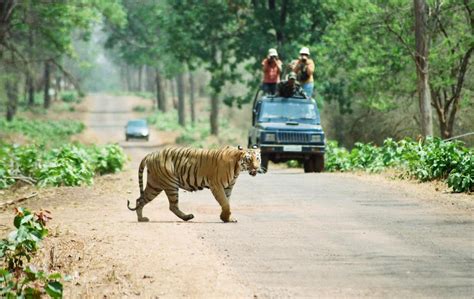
(148, 195)
(172, 195)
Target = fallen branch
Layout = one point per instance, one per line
(25, 179)
(11, 202)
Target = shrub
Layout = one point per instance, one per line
(337, 158)
(165, 121)
(108, 159)
(68, 165)
(431, 159)
(139, 108)
(19, 279)
(70, 97)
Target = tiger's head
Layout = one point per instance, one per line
(250, 160)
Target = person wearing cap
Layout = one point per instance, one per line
(304, 69)
(289, 87)
(272, 66)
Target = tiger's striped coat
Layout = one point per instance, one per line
(194, 169)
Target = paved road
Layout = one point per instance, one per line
(306, 235)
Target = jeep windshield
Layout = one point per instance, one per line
(286, 111)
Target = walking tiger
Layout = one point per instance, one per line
(194, 169)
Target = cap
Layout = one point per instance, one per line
(272, 52)
(292, 75)
(304, 50)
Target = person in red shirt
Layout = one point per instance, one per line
(272, 66)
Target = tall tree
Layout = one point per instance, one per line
(192, 106)
(160, 92)
(422, 66)
(47, 84)
(181, 104)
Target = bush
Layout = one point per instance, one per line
(165, 121)
(139, 108)
(108, 159)
(431, 159)
(19, 279)
(68, 165)
(70, 97)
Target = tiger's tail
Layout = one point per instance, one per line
(140, 182)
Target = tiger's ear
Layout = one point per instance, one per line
(254, 146)
(239, 147)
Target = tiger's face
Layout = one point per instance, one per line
(250, 161)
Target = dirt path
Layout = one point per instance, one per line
(298, 235)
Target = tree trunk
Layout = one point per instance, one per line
(128, 77)
(30, 87)
(140, 77)
(422, 71)
(47, 79)
(160, 93)
(191, 98)
(173, 93)
(30, 81)
(57, 87)
(214, 118)
(150, 79)
(11, 89)
(181, 107)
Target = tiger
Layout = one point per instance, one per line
(194, 169)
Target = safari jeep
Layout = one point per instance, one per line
(288, 129)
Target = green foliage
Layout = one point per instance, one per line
(165, 121)
(139, 108)
(43, 131)
(68, 165)
(70, 97)
(19, 279)
(293, 164)
(336, 158)
(107, 159)
(196, 135)
(431, 159)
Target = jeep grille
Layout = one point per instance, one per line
(293, 137)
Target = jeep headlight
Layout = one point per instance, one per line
(316, 138)
(269, 137)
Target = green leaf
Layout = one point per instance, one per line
(54, 289)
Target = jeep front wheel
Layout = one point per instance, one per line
(318, 163)
(308, 165)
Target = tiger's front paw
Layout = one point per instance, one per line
(143, 219)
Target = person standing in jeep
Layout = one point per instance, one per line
(304, 69)
(271, 72)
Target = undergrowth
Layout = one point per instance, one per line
(424, 160)
(18, 277)
(67, 165)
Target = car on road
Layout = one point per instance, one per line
(137, 129)
(288, 129)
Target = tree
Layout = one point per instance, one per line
(52, 25)
(181, 106)
(421, 61)
(369, 58)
